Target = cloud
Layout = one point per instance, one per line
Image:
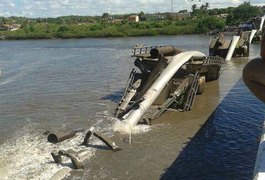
(54, 8)
(12, 5)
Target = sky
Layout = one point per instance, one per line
(55, 8)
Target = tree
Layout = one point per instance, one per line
(63, 29)
(2, 21)
(201, 11)
(202, 7)
(207, 5)
(209, 23)
(193, 7)
(242, 13)
(212, 12)
(142, 16)
(105, 15)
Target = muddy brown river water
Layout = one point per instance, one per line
(59, 84)
(151, 154)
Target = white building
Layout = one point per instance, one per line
(134, 18)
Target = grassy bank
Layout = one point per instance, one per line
(104, 29)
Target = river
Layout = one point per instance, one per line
(48, 85)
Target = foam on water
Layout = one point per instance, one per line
(125, 128)
(3, 170)
(28, 156)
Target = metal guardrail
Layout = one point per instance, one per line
(192, 93)
(213, 60)
(210, 60)
(140, 49)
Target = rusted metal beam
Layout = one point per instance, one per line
(72, 155)
(106, 140)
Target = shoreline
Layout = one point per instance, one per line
(99, 37)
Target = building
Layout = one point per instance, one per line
(133, 18)
(10, 27)
(180, 16)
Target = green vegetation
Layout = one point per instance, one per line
(208, 23)
(243, 13)
(34, 30)
(201, 20)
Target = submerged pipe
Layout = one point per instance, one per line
(165, 51)
(232, 48)
(134, 116)
(61, 136)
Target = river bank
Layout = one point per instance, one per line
(76, 32)
(48, 30)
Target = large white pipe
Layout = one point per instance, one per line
(261, 23)
(253, 32)
(232, 48)
(153, 92)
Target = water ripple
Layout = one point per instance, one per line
(226, 147)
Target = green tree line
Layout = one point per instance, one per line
(202, 20)
(101, 29)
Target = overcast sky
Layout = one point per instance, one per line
(55, 8)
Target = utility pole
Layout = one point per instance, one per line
(172, 6)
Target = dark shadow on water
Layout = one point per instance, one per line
(115, 96)
(64, 164)
(226, 145)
